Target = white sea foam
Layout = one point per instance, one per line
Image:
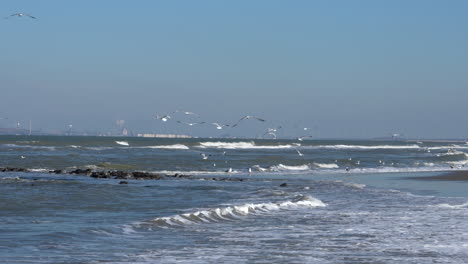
(241, 145)
(282, 167)
(235, 212)
(326, 165)
(39, 170)
(259, 168)
(27, 146)
(454, 146)
(99, 148)
(123, 143)
(356, 185)
(175, 146)
(455, 206)
(362, 147)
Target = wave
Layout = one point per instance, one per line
(326, 165)
(175, 146)
(27, 146)
(282, 167)
(242, 145)
(456, 206)
(363, 147)
(123, 143)
(235, 212)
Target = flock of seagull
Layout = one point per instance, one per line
(269, 132)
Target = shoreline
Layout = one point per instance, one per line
(450, 176)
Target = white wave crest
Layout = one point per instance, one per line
(240, 145)
(326, 165)
(362, 147)
(235, 212)
(123, 143)
(456, 206)
(175, 146)
(282, 167)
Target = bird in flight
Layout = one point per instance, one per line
(204, 156)
(20, 15)
(271, 134)
(163, 118)
(299, 153)
(190, 124)
(218, 126)
(248, 117)
(186, 112)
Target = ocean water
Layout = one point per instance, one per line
(343, 201)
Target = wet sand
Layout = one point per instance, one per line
(450, 176)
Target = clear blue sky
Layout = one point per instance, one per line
(345, 68)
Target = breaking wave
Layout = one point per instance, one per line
(456, 206)
(363, 147)
(241, 145)
(282, 167)
(175, 146)
(326, 165)
(235, 212)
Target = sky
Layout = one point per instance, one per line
(344, 69)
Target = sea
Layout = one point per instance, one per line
(245, 201)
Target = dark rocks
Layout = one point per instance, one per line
(11, 169)
(283, 185)
(123, 175)
(81, 171)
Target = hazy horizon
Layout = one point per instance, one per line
(342, 69)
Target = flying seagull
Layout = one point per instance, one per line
(186, 112)
(20, 15)
(248, 117)
(190, 124)
(163, 118)
(204, 156)
(218, 126)
(271, 133)
(299, 153)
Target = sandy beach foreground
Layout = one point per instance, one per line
(450, 176)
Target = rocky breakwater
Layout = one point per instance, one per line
(121, 175)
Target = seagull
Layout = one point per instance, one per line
(163, 118)
(304, 137)
(204, 156)
(271, 133)
(274, 129)
(20, 15)
(186, 112)
(218, 126)
(190, 124)
(248, 117)
(298, 152)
